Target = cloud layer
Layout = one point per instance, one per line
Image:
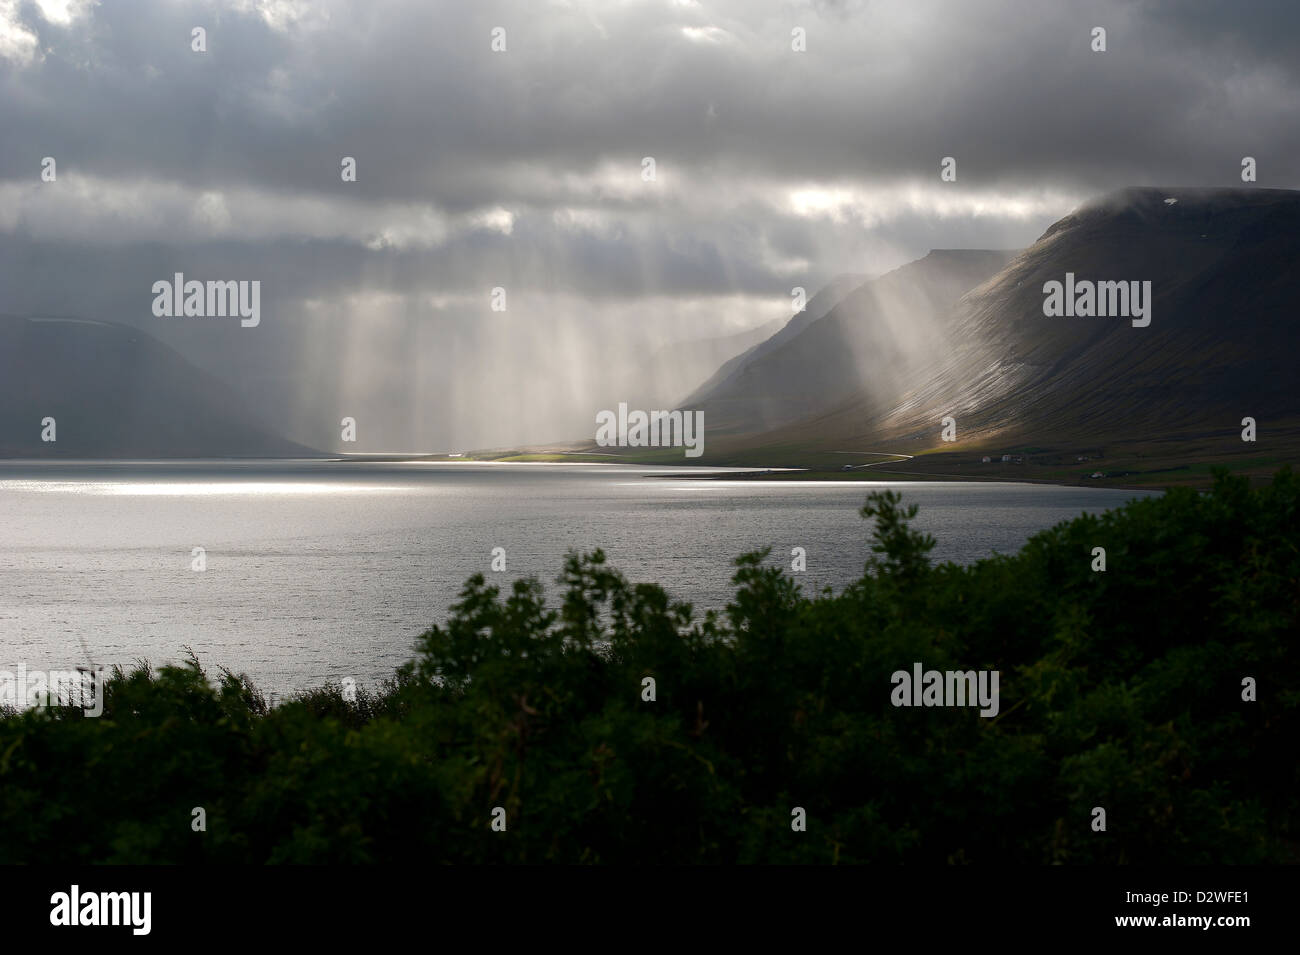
(522, 169)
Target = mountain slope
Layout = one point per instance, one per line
(814, 309)
(873, 339)
(1224, 267)
(116, 392)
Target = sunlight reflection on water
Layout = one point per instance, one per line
(193, 488)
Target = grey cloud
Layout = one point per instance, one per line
(552, 133)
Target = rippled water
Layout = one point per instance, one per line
(317, 571)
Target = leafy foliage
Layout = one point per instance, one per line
(1120, 689)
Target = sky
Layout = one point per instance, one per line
(523, 169)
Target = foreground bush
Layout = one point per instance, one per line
(1121, 690)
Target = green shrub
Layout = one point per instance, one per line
(1119, 689)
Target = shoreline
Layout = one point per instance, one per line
(897, 477)
(1196, 474)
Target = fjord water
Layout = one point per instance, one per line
(316, 571)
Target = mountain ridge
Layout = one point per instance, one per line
(115, 391)
(1224, 267)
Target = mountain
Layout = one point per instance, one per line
(827, 298)
(117, 392)
(1224, 268)
(873, 339)
(1224, 273)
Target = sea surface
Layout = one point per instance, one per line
(317, 571)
